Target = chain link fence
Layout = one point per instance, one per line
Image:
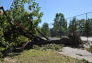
(83, 24)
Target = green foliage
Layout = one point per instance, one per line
(60, 25)
(52, 47)
(37, 33)
(49, 47)
(73, 25)
(87, 28)
(45, 29)
(73, 34)
(1, 49)
(81, 26)
(19, 13)
(3, 25)
(22, 39)
(19, 17)
(84, 61)
(90, 49)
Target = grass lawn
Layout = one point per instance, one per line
(39, 56)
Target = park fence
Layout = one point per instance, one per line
(83, 25)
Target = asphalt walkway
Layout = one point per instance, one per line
(77, 53)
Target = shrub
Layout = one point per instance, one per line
(1, 50)
(36, 47)
(1, 55)
(84, 61)
(90, 49)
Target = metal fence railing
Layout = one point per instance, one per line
(81, 20)
(80, 25)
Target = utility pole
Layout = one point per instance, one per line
(86, 22)
(87, 25)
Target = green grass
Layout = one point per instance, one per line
(49, 47)
(39, 56)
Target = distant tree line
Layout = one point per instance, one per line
(61, 28)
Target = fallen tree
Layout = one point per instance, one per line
(16, 29)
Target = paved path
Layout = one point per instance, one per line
(77, 53)
(82, 38)
(87, 44)
(85, 38)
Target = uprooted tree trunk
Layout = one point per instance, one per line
(75, 40)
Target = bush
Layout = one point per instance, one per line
(84, 61)
(1, 55)
(1, 50)
(36, 47)
(90, 49)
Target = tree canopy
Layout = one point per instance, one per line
(17, 18)
(45, 29)
(60, 24)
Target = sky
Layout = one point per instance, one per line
(50, 7)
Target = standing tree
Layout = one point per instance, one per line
(90, 20)
(73, 25)
(45, 29)
(80, 26)
(52, 32)
(87, 29)
(60, 24)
